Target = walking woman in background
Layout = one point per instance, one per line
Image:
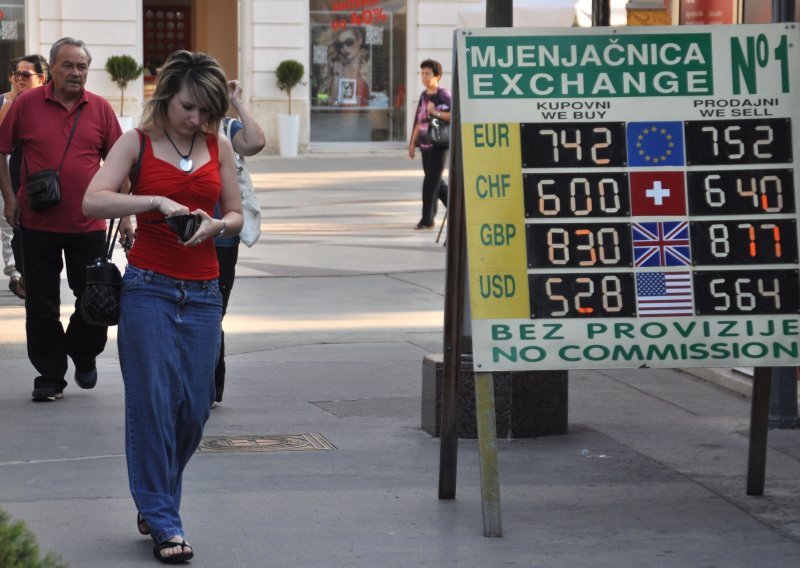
(25, 73)
(171, 307)
(434, 102)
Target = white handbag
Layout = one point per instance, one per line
(251, 208)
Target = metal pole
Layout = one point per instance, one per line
(759, 410)
(783, 393)
(601, 12)
(454, 305)
(499, 13)
(783, 399)
(782, 10)
(487, 449)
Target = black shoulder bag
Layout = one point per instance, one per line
(42, 187)
(100, 300)
(438, 129)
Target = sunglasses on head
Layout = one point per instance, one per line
(349, 42)
(24, 74)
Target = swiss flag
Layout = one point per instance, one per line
(657, 193)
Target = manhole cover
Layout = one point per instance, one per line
(269, 443)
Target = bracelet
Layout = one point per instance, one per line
(152, 197)
(222, 230)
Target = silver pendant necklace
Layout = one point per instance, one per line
(186, 162)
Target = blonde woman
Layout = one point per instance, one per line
(171, 306)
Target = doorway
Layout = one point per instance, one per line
(210, 26)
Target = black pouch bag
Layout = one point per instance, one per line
(439, 133)
(42, 188)
(100, 300)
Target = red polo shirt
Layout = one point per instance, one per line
(42, 125)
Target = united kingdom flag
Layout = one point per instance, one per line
(661, 244)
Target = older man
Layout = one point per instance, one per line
(41, 120)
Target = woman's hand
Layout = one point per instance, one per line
(434, 112)
(127, 234)
(208, 229)
(167, 206)
(234, 92)
(413, 142)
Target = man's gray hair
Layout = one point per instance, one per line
(68, 41)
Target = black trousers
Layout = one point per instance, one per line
(433, 161)
(16, 249)
(227, 258)
(49, 344)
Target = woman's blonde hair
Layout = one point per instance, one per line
(202, 76)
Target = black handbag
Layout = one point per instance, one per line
(99, 303)
(438, 133)
(42, 188)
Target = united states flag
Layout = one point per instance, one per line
(661, 244)
(660, 294)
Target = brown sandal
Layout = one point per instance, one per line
(141, 524)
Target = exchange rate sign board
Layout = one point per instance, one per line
(631, 196)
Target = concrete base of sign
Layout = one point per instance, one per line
(527, 403)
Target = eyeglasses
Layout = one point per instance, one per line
(349, 42)
(24, 75)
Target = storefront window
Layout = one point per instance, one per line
(358, 69)
(12, 36)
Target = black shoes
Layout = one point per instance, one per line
(424, 227)
(86, 379)
(47, 394)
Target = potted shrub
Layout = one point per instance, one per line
(123, 69)
(289, 74)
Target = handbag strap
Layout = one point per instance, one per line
(111, 235)
(69, 141)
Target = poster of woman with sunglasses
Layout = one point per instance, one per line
(347, 76)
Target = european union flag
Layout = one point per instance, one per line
(655, 144)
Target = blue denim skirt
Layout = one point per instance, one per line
(168, 341)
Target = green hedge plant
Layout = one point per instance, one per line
(123, 69)
(19, 549)
(289, 73)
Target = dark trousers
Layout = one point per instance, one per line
(16, 239)
(433, 161)
(48, 343)
(16, 249)
(227, 257)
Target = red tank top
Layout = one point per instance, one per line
(157, 247)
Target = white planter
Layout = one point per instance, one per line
(289, 134)
(125, 122)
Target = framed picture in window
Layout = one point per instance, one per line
(347, 92)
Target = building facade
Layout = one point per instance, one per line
(361, 57)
